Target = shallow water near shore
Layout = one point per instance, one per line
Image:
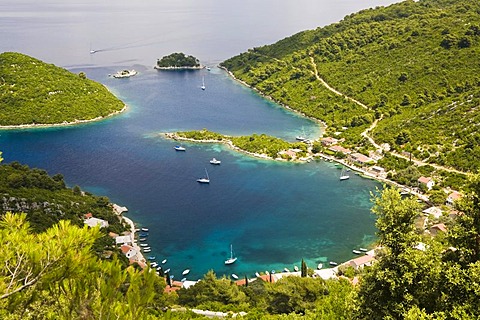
(273, 213)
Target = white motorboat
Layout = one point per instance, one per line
(125, 74)
(215, 161)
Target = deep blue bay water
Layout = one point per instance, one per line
(274, 213)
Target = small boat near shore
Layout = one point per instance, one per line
(286, 270)
(320, 266)
(257, 274)
(344, 176)
(144, 229)
(124, 74)
(147, 250)
(363, 249)
(215, 161)
(151, 258)
(356, 251)
(185, 272)
(234, 276)
(179, 148)
(333, 263)
(153, 264)
(143, 244)
(142, 239)
(167, 271)
(295, 268)
(164, 261)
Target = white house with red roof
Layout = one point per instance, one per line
(128, 251)
(453, 197)
(361, 262)
(427, 181)
(328, 141)
(361, 159)
(340, 149)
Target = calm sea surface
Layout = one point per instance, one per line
(273, 213)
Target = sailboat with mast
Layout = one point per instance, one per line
(205, 179)
(344, 175)
(232, 259)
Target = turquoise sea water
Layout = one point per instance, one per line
(274, 213)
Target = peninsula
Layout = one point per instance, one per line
(261, 146)
(34, 93)
(178, 61)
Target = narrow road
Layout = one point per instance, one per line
(374, 124)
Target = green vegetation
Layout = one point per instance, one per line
(34, 92)
(258, 144)
(46, 201)
(412, 64)
(202, 135)
(55, 275)
(178, 60)
(437, 282)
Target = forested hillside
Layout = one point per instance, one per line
(414, 65)
(34, 92)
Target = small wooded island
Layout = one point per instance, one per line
(178, 60)
(37, 93)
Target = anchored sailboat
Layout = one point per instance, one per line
(203, 83)
(206, 179)
(232, 258)
(344, 175)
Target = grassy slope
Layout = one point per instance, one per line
(392, 60)
(33, 92)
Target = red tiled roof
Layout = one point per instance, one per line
(360, 157)
(424, 180)
(454, 195)
(362, 260)
(339, 149)
(125, 248)
(440, 226)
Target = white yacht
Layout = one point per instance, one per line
(125, 74)
(215, 161)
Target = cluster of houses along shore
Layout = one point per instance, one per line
(126, 241)
(368, 165)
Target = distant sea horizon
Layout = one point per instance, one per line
(274, 214)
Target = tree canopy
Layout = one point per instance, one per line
(34, 92)
(178, 60)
